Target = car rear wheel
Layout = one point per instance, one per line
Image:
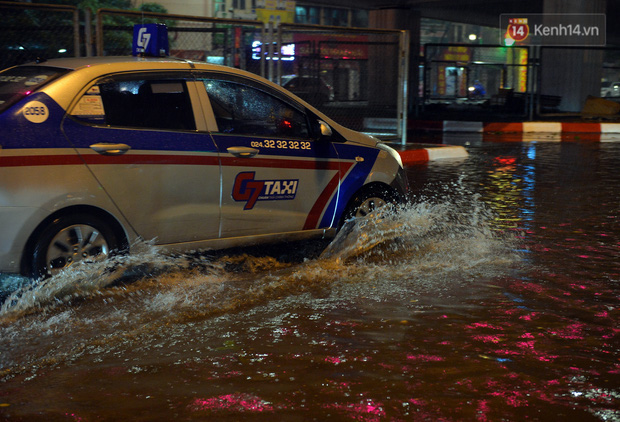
(70, 239)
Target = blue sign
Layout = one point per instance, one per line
(150, 39)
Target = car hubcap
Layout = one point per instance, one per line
(368, 206)
(73, 244)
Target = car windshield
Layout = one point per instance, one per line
(21, 81)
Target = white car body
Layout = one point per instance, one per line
(172, 165)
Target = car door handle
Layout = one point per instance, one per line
(244, 152)
(105, 148)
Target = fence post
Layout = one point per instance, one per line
(403, 85)
(425, 82)
(262, 51)
(532, 76)
(270, 50)
(279, 52)
(537, 78)
(99, 33)
(76, 33)
(88, 32)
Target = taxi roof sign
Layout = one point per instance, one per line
(150, 39)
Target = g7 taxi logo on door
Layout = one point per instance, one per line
(250, 190)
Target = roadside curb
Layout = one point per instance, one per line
(420, 155)
(514, 127)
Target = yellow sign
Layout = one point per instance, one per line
(275, 16)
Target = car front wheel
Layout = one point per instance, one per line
(69, 239)
(368, 201)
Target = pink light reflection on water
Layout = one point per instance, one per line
(233, 402)
(426, 358)
(526, 348)
(483, 410)
(571, 332)
(529, 317)
(512, 398)
(333, 359)
(488, 339)
(529, 348)
(484, 325)
(340, 387)
(417, 402)
(368, 411)
(515, 391)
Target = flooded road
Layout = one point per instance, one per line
(492, 296)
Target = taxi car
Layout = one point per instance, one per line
(98, 153)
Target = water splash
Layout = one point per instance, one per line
(361, 235)
(84, 279)
(394, 243)
(446, 234)
(147, 301)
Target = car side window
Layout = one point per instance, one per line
(137, 103)
(245, 110)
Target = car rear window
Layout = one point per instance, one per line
(138, 101)
(21, 81)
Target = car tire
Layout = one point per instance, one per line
(368, 200)
(69, 239)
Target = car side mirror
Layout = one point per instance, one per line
(326, 131)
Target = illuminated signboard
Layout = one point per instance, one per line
(334, 46)
(287, 52)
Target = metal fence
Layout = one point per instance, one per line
(558, 67)
(461, 80)
(30, 31)
(483, 77)
(358, 76)
(221, 41)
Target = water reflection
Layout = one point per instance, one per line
(493, 296)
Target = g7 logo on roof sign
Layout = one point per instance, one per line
(143, 39)
(247, 189)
